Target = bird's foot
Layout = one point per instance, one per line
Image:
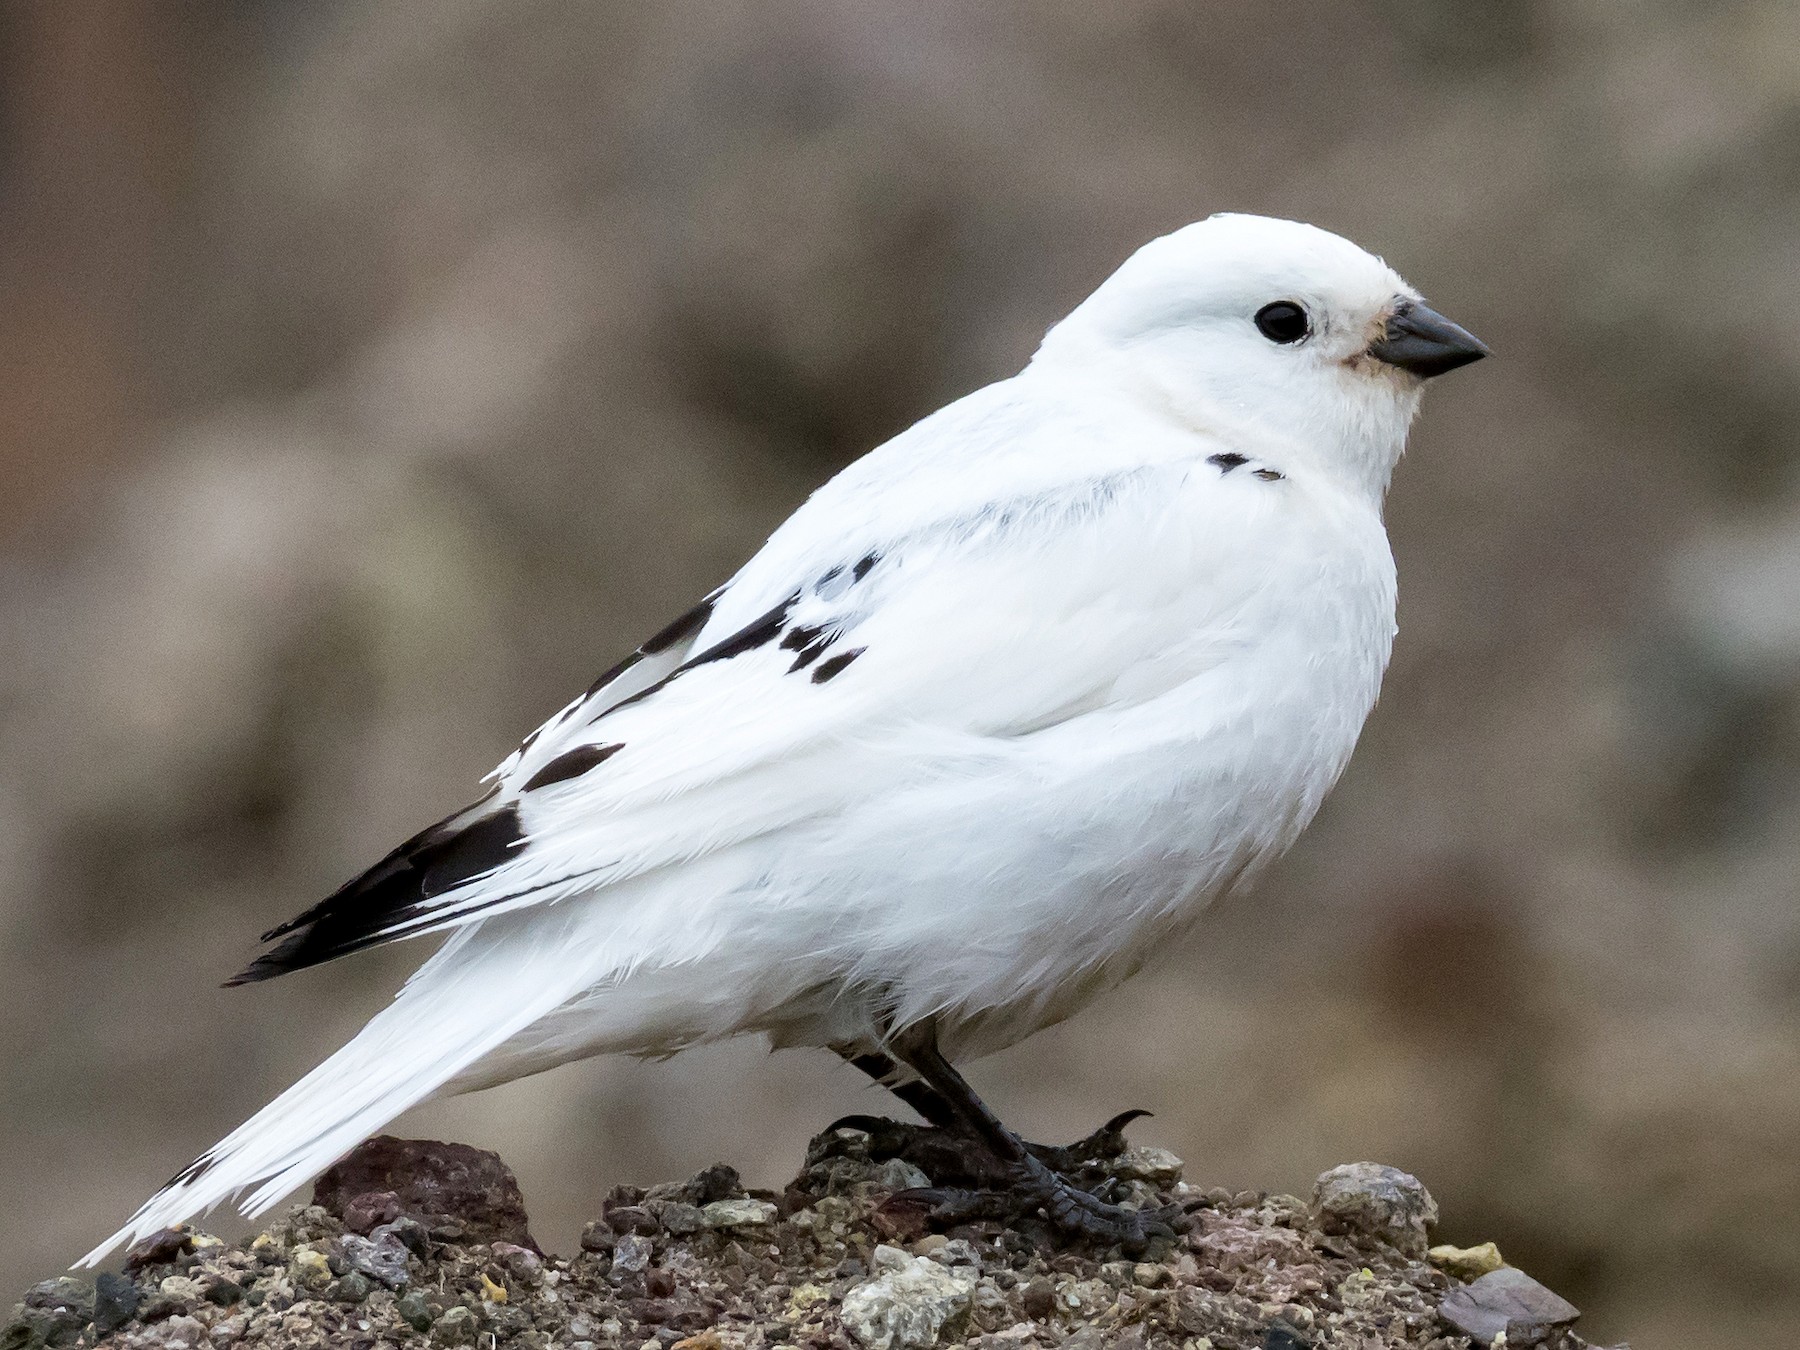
(1071, 1211)
(1106, 1142)
(959, 1158)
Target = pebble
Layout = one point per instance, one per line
(309, 1269)
(1157, 1166)
(183, 1333)
(896, 1174)
(1509, 1301)
(907, 1302)
(738, 1213)
(1376, 1201)
(414, 1311)
(680, 1218)
(458, 1326)
(116, 1301)
(1466, 1263)
(382, 1260)
(65, 1292)
(632, 1253)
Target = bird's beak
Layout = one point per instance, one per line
(1419, 339)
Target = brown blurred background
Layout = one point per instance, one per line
(372, 374)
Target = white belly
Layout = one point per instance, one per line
(1003, 898)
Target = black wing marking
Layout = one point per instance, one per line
(392, 899)
(362, 912)
(571, 764)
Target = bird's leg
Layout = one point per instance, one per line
(1071, 1210)
(897, 1139)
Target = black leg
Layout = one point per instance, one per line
(915, 1092)
(1070, 1209)
(946, 1148)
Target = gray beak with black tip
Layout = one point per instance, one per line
(1417, 338)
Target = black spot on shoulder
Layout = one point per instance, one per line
(865, 566)
(571, 764)
(1227, 461)
(1268, 475)
(835, 666)
(810, 641)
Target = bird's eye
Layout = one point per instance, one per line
(1283, 322)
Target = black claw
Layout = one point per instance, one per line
(866, 1124)
(1106, 1142)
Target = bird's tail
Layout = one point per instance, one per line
(487, 984)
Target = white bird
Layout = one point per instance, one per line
(980, 730)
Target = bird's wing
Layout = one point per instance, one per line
(475, 840)
(839, 660)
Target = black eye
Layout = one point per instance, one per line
(1283, 322)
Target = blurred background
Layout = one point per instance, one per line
(371, 375)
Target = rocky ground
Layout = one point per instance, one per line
(415, 1244)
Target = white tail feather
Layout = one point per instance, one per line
(488, 983)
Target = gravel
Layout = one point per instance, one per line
(840, 1259)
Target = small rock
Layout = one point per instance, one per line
(520, 1264)
(33, 1328)
(1505, 1300)
(738, 1213)
(632, 1253)
(1466, 1263)
(408, 1232)
(680, 1218)
(414, 1311)
(370, 1210)
(1157, 1166)
(351, 1288)
(717, 1182)
(183, 1333)
(956, 1252)
(458, 1326)
(116, 1301)
(64, 1292)
(1378, 1202)
(896, 1174)
(930, 1243)
(163, 1245)
(1040, 1299)
(218, 1287)
(309, 1269)
(907, 1303)
(597, 1236)
(633, 1219)
(1150, 1275)
(382, 1260)
(469, 1185)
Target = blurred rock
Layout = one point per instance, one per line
(1466, 1263)
(432, 1181)
(1508, 1302)
(907, 1303)
(1372, 1200)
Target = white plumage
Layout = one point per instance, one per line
(982, 726)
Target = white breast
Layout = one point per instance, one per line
(1021, 875)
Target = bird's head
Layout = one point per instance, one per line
(1262, 328)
